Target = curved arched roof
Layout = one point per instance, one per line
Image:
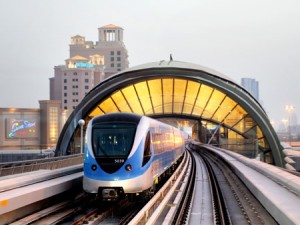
(178, 89)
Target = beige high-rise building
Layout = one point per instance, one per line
(110, 45)
(89, 64)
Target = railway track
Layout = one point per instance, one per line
(231, 201)
(56, 213)
(82, 209)
(183, 208)
(220, 209)
(238, 204)
(170, 205)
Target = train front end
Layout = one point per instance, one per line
(113, 157)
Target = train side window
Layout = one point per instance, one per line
(147, 149)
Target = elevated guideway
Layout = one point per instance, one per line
(22, 193)
(11, 168)
(276, 189)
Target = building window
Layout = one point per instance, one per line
(53, 123)
(86, 80)
(112, 65)
(74, 107)
(119, 59)
(119, 69)
(65, 74)
(65, 80)
(86, 87)
(65, 87)
(75, 80)
(86, 73)
(112, 53)
(65, 94)
(65, 101)
(119, 65)
(65, 107)
(119, 52)
(74, 73)
(112, 59)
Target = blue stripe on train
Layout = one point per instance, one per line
(160, 161)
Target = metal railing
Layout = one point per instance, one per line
(39, 164)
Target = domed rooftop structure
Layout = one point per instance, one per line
(224, 113)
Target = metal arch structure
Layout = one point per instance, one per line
(173, 88)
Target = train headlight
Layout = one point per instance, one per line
(128, 167)
(94, 167)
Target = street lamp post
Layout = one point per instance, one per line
(289, 108)
(81, 123)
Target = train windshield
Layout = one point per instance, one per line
(113, 139)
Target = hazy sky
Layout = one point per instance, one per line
(258, 39)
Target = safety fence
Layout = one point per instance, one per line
(40, 164)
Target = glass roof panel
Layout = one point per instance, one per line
(108, 106)
(234, 136)
(202, 98)
(191, 94)
(240, 126)
(249, 122)
(177, 108)
(263, 143)
(251, 133)
(120, 101)
(187, 109)
(96, 112)
(213, 104)
(168, 95)
(259, 133)
(236, 114)
(156, 95)
(179, 92)
(178, 96)
(225, 108)
(132, 99)
(245, 125)
(143, 93)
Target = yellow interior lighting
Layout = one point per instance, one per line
(178, 97)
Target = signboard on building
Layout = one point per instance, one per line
(20, 128)
(84, 65)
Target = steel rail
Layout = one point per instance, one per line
(221, 214)
(181, 214)
(155, 206)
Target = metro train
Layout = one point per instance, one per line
(126, 155)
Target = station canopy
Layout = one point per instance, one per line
(178, 90)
